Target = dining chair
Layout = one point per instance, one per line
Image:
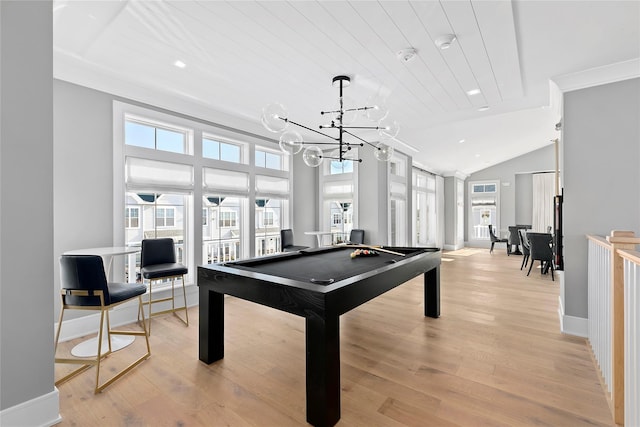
(356, 236)
(84, 287)
(540, 250)
(158, 264)
(286, 241)
(495, 239)
(514, 240)
(525, 247)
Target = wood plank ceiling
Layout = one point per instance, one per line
(243, 55)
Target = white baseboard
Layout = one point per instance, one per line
(43, 411)
(572, 325)
(452, 247)
(123, 314)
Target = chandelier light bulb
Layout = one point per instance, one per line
(388, 128)
(274, 118)
(379, 110)
(312, 156)
(383, 152)
(291, 142)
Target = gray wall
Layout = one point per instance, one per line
(305, 208)
(524, 198)
(516, 198)
(601, 154)
(26, 198)
(373, 208)
(83, 173)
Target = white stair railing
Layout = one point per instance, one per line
(614, 328)
(631, 337)
(599, 305)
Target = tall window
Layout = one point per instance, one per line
(398, 187)
(339, 189)
(221, 238)
(483, 209)
(424, 208)
(194, 182)
(269, 220)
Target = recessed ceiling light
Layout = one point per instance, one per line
(179, 64)
(445, 41)
(483, 108)
(473, 92)
(461, 141)
(477, 155)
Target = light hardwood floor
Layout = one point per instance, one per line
(495, 357)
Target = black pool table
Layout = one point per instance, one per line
(319, 285)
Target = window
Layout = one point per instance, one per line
(219, 150)
(398, 200)
(222, 239)
(228, 219)
(483, 188)
(336, 218)
(165, 217)
(483, 209)
(424, 208)
(132, 217)
(269, 159)
(208, 218)
(156, 137)
(270, 218)
(338, 167)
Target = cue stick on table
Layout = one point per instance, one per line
(377, 248)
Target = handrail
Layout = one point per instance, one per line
(599, 240)
(620, 244)
(633, 256)
(631, 261)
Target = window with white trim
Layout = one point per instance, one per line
(193, 182)
(132, 217)
(270, 159)
(424, 216)
(398, 199)
(217, 149)
(483, 209)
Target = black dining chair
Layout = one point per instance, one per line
(356, 237)
(514, 240)
(84, 287)
(495, 239)
(525, 247)
(540, 249)
(286, 241)
(158, 263)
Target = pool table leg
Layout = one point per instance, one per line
(323, 370)
(432, 292)
(211, 328)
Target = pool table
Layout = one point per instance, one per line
(319, 285)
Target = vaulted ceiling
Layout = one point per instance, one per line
(240, 56)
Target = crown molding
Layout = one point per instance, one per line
(598, 76)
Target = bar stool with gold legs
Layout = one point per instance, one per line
(158, 262)
(84, 287)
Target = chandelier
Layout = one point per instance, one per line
(276, 119)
